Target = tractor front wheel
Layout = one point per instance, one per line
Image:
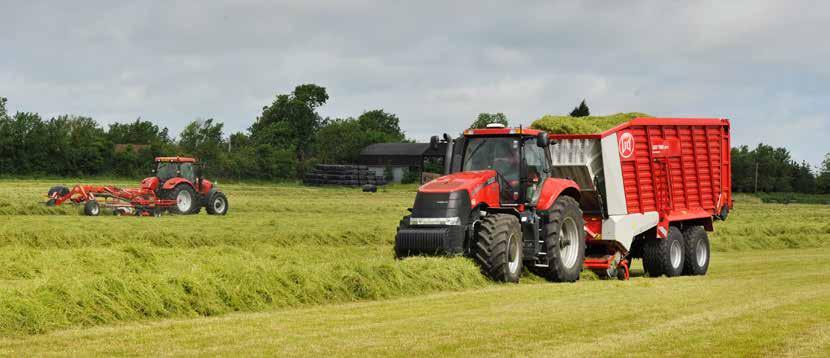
(498, 250)
(217, 204)
(185, 197)
(564, 243)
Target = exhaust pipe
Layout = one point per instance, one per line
(448, 154)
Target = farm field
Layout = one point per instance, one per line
(292, 252)
(756, 303)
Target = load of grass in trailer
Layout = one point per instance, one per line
(582, 125)
(282, 246)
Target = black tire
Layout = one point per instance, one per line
(657, 254)
(565, 214)
(399, 252)
(59, 189)
(51, 202)
(498, 249)
(217, 204)
(174, 195)
(91, 208)
(696, 261)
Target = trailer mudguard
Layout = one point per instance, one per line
(552, 188)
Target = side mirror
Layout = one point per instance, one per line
(542, 139)
(433, 142)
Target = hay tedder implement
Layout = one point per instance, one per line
(177, 187)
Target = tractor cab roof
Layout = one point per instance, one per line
(501, 132)
(175, 160)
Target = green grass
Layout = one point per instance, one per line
(753, 303)
(583, 125)
(280, 246)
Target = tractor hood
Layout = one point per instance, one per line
(470, 181)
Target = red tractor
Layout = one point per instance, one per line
(177, 187)
(512, 198)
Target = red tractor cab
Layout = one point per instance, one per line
(500, 205)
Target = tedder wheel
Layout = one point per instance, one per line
(186, 200)
(664, 256)
(217, 204)
(564, 244)
(498, 249)
(91, 208)
(697, 251)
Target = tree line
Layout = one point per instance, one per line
(768, 169)
(288, 137)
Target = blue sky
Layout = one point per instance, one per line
(436, 64)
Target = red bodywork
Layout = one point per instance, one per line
(145, 197)
(677, 167)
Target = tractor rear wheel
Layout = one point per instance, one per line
(664, 256)
(58, 189)
(217, 204)
(564, 244)
(697, 251)
(186, 199)
(498, 249)
(91, 208)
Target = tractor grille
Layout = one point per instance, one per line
(422, 240)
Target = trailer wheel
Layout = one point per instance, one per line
(186, 199)
(217, 204)
(664, 256)
(565, 242)
(697, 251)
(498, 249)
(91, 208)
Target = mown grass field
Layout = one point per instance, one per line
(296, 254)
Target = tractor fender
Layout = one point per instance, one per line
(206, 197)
(552, 188)
(173, 182)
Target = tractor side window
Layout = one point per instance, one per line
(534, 157)
(166, 171)
(187, 172)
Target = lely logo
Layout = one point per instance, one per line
(626, 145)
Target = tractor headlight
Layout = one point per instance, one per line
(435, 221)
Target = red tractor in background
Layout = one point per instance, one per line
(511, 198)
(177, 187)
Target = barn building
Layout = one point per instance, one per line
(402, 158)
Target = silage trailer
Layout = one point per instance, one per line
(649, 188)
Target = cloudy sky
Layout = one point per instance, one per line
(436, 64)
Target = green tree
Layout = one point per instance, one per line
(581, 110)
(342, 140)
(203, 139)
(3, 113)
(489, 118)
(291, 122)
(823, 180)
(138, 132)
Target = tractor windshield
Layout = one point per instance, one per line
(497, 153)
(167, 170)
